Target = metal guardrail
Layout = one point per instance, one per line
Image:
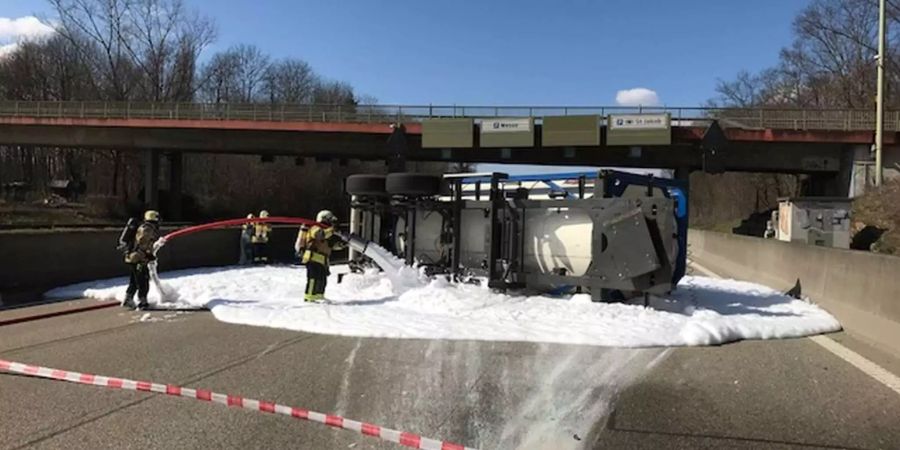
(747, 118)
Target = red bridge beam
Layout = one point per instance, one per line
(255, 125)
(690, 134)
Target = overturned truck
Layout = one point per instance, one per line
(615, 235)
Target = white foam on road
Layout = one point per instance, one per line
(702, 311)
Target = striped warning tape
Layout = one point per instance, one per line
(368, 429)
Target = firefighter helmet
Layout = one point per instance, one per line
(327, 217)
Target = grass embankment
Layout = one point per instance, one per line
(876, 218)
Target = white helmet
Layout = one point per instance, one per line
(327, 217)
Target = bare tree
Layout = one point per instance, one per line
(334, 93)
(23, 73)
(162, 38)
(252, 68)
(219, 78)
(141, 49)
(94, 28)
(290, 81)
(745, 90)
(830, 62)
(366, 99)
(235, 75)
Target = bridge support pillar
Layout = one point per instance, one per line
(176, 203)
(862, 167)
(151, 179)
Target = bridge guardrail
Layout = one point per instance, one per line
(747, 118)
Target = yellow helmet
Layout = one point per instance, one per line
(263, 214)
(151, 215)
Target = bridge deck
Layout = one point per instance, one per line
(759, 140)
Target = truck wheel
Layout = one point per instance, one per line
(364, 184)
(412, 184)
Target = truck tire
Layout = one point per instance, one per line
(412, 184)
(365, 185)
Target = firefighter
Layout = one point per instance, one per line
(247, 231)
(139, 255)
(770, 230)
(260, 239)
(315, 244)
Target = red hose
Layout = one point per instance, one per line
(235, 222)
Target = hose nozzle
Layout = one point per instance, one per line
(355, 242)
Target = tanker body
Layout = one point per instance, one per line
(612, 234)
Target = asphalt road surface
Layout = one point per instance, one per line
(755, 394)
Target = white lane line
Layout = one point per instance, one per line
(868, 367)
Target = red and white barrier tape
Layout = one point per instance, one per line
(368, 429)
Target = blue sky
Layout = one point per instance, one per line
(577, 52)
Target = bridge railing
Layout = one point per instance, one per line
(749, 118)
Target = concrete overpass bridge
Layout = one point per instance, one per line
(829, 144)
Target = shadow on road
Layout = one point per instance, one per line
(692, 295)
(723, 440)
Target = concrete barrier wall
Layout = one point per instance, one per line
(861, 289)
(36, 260)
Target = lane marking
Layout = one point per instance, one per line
(870, 368)
(862, 363)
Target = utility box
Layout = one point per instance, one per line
(822, 221)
